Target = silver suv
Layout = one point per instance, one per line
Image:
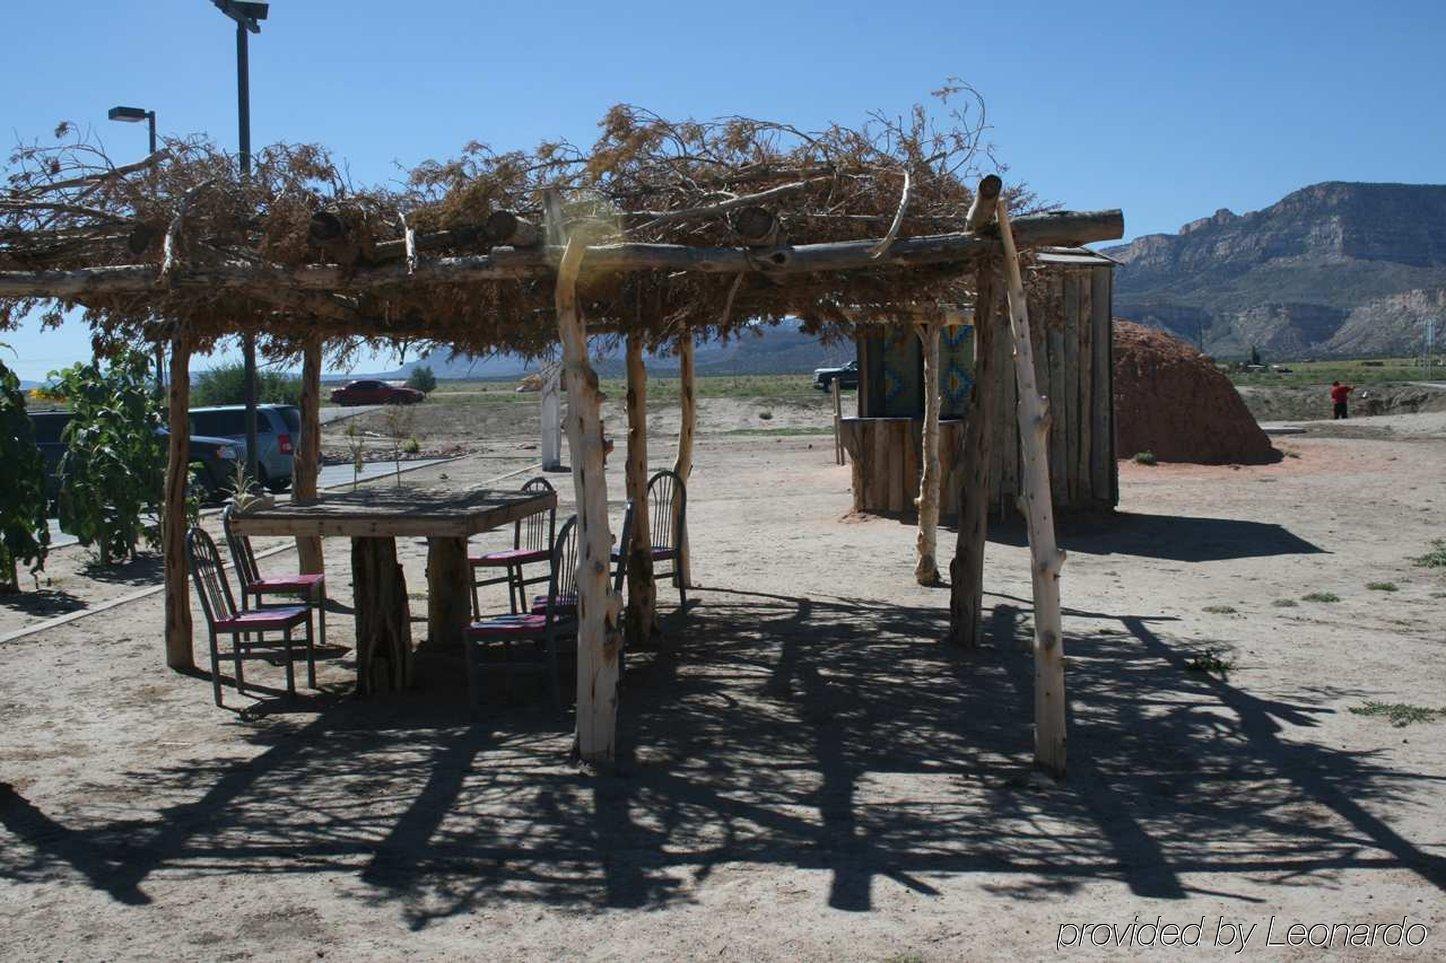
(278, 432)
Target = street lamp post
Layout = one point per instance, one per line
(248, 17)
(134, 115)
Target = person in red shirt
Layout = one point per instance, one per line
(1340, 396)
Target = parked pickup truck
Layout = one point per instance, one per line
(847, 375)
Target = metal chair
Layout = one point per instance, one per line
(310, 588)
(668, 515)
(536, 633)
(532, 543)
(223, 618)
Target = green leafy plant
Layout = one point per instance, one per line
(1145, 458)
(412, 446)
(1211, 660)
(1436, 558)
(1382, 586)
(226, 385)
(24, 531)
(1398, 714)
(423, 379)
(1321, 597)
(114, 462)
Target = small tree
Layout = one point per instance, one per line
(423, 379)
(114, 464)
(398, 420)
(24, 531)
(226, 385)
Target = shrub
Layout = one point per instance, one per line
(24, 531)
(1220, 609)
(113, 468)
(766, 415)
(1436, 558)
(1321, 597)
(226, 385)
(1285, 603)
(1382, 586)
(1145, 458)
(423, 379)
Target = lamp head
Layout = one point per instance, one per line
(129, 115)
(245, 13)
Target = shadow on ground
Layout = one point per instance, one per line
(828, 734)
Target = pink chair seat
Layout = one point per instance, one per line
(264, 620)
(659, 553)
(509, 626)
(566, 604)
(511, 556)
(287, 583)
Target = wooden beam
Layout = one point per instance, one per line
(598, 636)
(926, 565)
(640, 621)
(551, 416)
(173, 516)
(1035, 505)
(512, 263)
(966, 570)
(687, 429)
(307, 463)
(986, 201)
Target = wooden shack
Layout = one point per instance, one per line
(1071, 298)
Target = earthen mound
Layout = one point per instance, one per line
(1171, 400)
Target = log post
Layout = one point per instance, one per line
(687, 428)
(598, 637)
(173, 515)
(1038, 511)
(641, 618)
(449, 599)
(966, 571)
(838, 449)
(308, 452)
(926, 568)
(551, 445)
(383, 617)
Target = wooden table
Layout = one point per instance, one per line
(373, 518)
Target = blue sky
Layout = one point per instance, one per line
(1166, 109)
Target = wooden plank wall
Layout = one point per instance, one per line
(1073, 361)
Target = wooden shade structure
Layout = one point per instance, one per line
(664, 232)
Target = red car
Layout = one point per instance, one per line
(375, 393)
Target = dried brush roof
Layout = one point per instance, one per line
(461, 254)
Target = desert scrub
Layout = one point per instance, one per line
(1211, 661)
(1382, 586)
(1145, 458)
(1285, 603)
(1220, 609)
(1321, 597)
(1398, 714)
(1436, 557)
(765, 415)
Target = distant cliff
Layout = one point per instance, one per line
(1333, 269)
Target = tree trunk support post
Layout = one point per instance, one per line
(551, 417)
(926, 568)
(599, 638)
(1038, 510)
(966, 571)
(308, 453)
(641, 618)
(383, 617)
(687, 429)
(838, 448)
(449, 593)
(179, 654)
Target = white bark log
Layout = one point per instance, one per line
(1038, 511)
(641, 618)
(687, 429)
(926, 567)
(552, 417)
(598, 635)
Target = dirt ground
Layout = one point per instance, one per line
(810, 774)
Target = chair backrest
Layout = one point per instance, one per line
(216, 598)
(625, 536)
(537, 531)
(667, 508)
(240, 547)
(562, 582)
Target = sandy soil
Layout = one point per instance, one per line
(811, 775)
